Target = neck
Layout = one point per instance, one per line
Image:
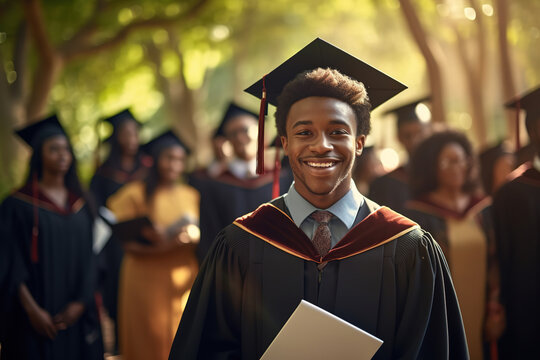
(166, 184)
(127, 161)
(454, 199)
(52, 180)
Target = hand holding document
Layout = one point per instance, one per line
(313, 333)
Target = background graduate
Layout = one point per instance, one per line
(237, 189)
(447, 203)
(48, 225)
(368, 265)
(157, 274)
(393, 189)
(517, 210)
(124, 163)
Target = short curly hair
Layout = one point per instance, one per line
(425, 159)
(325, 83)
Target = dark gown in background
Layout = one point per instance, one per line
(226, 197)
(391, 189)
(64, 273)
(397, 289)
(517, 228)
(109, 177)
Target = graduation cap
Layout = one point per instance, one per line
(36, 133)
(408, 112)
(233, 110)
(530, 102)
(320, 54)
(118, 119)
(163, 141)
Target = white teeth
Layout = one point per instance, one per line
(320, 165)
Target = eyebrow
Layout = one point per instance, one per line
(309, 122)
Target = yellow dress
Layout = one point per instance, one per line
(154, 288)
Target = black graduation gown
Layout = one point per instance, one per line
(391, 189)
(397, 287)
(105, 182)
(225, 197)
(517, 229)
(64, 272)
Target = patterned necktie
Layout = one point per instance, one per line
(322, 236)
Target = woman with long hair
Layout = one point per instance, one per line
(48, 223)
(159, 264)
(448, 204)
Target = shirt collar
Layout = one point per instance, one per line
(345, 209)
(242, 169)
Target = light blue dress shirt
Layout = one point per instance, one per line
(345, 212)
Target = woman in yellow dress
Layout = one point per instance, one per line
(160, 265)
(447, 203)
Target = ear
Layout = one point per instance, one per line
(285, 145)
(359, 142)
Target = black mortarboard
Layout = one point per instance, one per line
(321, 54)
(165, 140)
(407, 112)
(37, 132)
(530, 102)
(232, 111)
(118, 119)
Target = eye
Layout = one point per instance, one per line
(303, 133)
(339, 132)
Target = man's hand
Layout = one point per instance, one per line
(69, 316)
(42, 322)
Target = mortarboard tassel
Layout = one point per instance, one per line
(260, 138)
(518, 108)
(35, 232)
(277, 170)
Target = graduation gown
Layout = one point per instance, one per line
(64, 273)
(226, 197)
(106, 181)
(468, 244)
(517, 229)
(385, 276)
(391, 189)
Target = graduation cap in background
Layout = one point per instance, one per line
(320, 54)
(163, 141)
(233, 110)
(118, 119)
(530, 102)
(34, 134)
(408, 112)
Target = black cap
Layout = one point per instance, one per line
(36, 133)
(163, 141)
(118, 119)
(530, 102)
(233, 110)
(407, 112)
(321, 54)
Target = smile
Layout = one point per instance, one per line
(320, 165)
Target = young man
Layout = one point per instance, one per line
(517, 209)
(365, 264)
(237, 189)
(392, 189)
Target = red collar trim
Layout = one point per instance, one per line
(75, 203)
(476, 205)
(273, 226)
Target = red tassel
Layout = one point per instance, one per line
(260, 139)
(34, 257)
(493, 351)
(277, 170)
(518, 110)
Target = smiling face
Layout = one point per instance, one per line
(453, 165)
(321, 144)
(171, 163)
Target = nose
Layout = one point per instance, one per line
(321, 144)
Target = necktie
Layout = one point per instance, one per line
(321, 238)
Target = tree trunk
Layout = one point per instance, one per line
(434, 72)
(509, 89)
